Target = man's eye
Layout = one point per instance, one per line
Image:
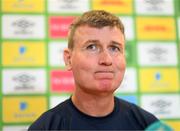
(114, 49)
(92, 47)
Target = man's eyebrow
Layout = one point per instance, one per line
(92, 41)
(117, 43)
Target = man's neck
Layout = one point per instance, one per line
(93, 105)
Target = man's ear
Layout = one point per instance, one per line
(67, 58)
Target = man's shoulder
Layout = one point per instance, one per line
(61, 107)
(128, 106)
(136, 112)
(125, 105)
(53, 118)
(60, 111)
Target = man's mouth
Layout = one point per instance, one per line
(104, 74)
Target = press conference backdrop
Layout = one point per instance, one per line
(32, 73)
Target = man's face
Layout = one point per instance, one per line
(97, 59)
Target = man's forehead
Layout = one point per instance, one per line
(86, 29)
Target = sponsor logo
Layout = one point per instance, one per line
(68, 4)
(23, 105)
(149, 29)
(154, 4)
(114, 6)
(24, 80)
(23, 26)
(161, 106)
(155, 28)
(159, 80)
(24, 108)
(154, 7)
(23, 54)
(62, 81)
(112, 2)
(157, 53)
(22, 50)
(59, 26)
(158, 76)
(23, 6)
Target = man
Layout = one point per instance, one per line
(96, 56)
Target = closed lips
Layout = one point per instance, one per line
(104, 74)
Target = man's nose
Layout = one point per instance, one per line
(105, 58)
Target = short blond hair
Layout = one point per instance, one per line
(94, 18)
